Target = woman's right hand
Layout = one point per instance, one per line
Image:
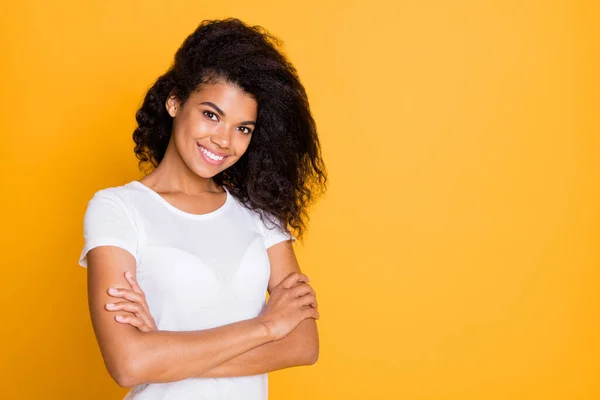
(290, 302)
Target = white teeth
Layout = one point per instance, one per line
(212, 156)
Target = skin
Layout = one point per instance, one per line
(282, 336)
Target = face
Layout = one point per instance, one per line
(212, 130)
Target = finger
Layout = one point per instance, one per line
(131, 296)
(133, 308)
(124, 306)
(143, 325)
(302, 289)
(307, 301)
(126, 294)
(315, 314)
(133, 282)
(292, 279)
(133, 321)
(310, 313)
(140, 323)
(314, 305)
(300, 281)
(136, 288)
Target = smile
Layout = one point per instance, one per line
(211, 157)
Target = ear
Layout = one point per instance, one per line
(172, 105)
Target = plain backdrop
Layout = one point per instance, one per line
(456, 254)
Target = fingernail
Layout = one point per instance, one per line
(113, 291)
(119, 318)
(110, 305)
(128, 274)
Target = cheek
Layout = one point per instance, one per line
(193, 127)
(198, 128)
(242, 145)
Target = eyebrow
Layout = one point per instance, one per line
(222, 113)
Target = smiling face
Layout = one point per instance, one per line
(212, 130)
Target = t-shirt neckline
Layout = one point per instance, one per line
(176, 210)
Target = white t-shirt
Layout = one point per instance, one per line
(197, 271)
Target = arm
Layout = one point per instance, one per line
(293, 350)
(133, 357)
(300, 347)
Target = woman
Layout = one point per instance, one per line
(179, 262)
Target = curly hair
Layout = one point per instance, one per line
(282, 172)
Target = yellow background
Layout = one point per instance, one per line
(456, 254)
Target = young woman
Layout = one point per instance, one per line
(179, 262)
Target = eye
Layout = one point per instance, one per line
(246, 130)
(210, 115)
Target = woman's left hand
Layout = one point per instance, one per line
(134, 302)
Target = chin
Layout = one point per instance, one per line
(208, 171)
(205, 172)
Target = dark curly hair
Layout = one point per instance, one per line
(282, 171)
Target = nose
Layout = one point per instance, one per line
(221, 136)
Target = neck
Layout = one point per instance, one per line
(173, 175)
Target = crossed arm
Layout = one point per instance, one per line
(300, 347)
(241, 348)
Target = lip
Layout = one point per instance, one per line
(212, 151)
(210, 160)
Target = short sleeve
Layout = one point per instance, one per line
(107, 223)
(272, 231)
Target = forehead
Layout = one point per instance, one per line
(227, 96)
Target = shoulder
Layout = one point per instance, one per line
(116, 193)
(115, 200)
(267, 225)
(109, 221)
(124, 195)
(260, 219)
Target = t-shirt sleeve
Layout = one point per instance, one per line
(272, 231)
(107, 223)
